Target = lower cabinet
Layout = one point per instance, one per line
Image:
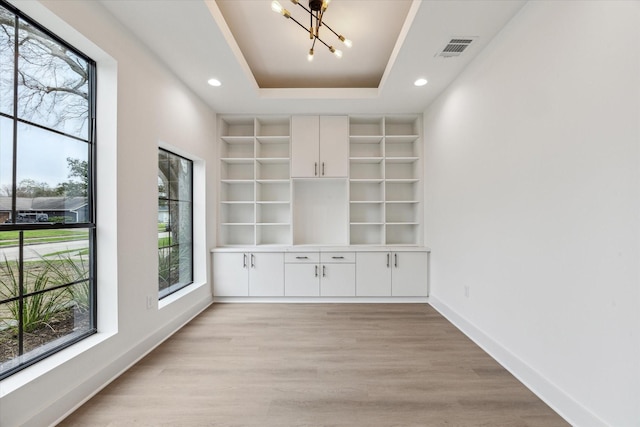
(320, 274)
(409, 274)
(398, 274)
(238, 274)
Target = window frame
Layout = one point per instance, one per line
(175, 287)
(19, 363)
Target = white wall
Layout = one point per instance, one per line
(140, 107)
(533, 202)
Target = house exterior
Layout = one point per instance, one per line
(43, 209)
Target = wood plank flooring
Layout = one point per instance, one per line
(333, 365)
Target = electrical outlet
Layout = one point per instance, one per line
(149, 302)
(466, 291)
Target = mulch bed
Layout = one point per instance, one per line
(62, 324)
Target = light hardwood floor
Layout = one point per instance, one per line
(317, 365)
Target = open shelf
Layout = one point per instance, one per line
(255, 188)
(273, 168)
(366, 126)
(236, 126)
(385, 174)
(273, 126)
(401, 234)
(366, 212)
(366, 234)
(236, 235)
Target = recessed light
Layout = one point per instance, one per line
(214, 82)
(420, 82)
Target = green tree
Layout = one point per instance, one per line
(78, 169)
(30, 188)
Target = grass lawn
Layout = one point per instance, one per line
(10, 238)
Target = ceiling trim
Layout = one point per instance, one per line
(319, 93)
(231, 41)
(413, 11)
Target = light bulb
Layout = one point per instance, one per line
(214, 82)
(420, 82)
(347, 42)
(276, 6)
(310, 55)
(337, 53)
(325, 4)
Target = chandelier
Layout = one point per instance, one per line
(316, 11)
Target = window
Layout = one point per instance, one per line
(175, 222)
(47, 219)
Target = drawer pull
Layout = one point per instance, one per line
(324, 273)
(302, 257)
(316, 271)
(337, 257)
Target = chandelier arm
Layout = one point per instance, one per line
(330, 29)
(322, 41)
(301, 26)
(304, 7)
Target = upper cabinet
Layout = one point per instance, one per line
(319, 146)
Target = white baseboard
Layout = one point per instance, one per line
(323, 300)
(567, 407)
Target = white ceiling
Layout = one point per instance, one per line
(254, 52)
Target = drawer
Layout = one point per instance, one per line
(302, 257)
(338, 257)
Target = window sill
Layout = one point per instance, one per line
(27, 375)
(169, 299)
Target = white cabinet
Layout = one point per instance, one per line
(314, 274)
(237, 274)
(337, 274)
(230, 275)
(338, 280)
(409, 274)
(301, 280)
(373, 274)
(398, 274)
(319, 146)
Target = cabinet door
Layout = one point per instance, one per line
(334, 146)
(305, 146)
(230, 274)
(373, 274)
(302, 280)
(266, 275)
(338, 280)
(409, 277)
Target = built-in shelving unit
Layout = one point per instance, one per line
(385, 180)
(255, 188)
(379, 203)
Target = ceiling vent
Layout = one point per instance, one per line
(455, 47)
